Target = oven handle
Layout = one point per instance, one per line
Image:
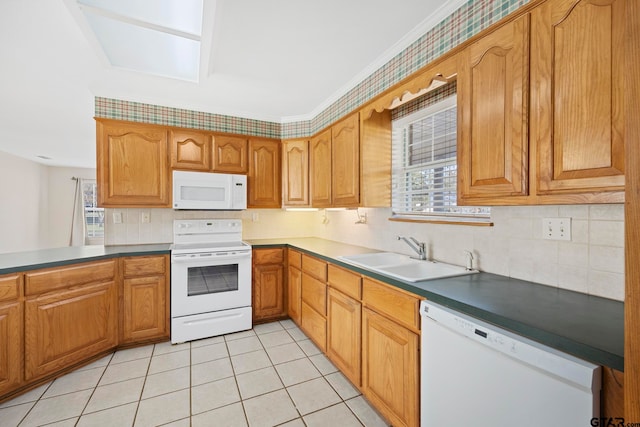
(181, 258)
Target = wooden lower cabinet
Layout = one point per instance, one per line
(314, 325)
(294, 294)
(390, 368)
(144, 313)
(343, 333)
(268, 295)
(11, 336)
(65, 327)
(268, 291)
(11, 332)
(612, 394)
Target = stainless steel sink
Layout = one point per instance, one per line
(404, 267)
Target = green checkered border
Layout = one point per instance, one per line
(467, 21)
(168, 116)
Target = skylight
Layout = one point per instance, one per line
(160, 37)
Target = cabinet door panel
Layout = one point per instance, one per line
(390, 368)
(190, 150)
(294, 291)
(343, 334)
(66, 327)
(295, 173)
(314, 325)
(345, 162)
(578, 67)
(492, 114)
(320, 169)
(268, 291)
(314, 293)
(11, 356)
(264, 174)
(144, 314)
(132, 166)
(230, 154)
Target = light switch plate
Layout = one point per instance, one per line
(556, 228)
(117, 217)
(145, 217)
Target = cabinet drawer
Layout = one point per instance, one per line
(42, 281)
(10, 287)
(315, 326)
(314, 293)
(144, 266)
(294, 258)
(268, 256)
(345, 281)
(314, 267)
(396, 304)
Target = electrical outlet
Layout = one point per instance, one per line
(145, 217)
(556, 228)
(255, 217)
(117, 217)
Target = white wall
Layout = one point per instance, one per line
(23, 204)
(256, 223)
(61, 190)
(592, 262)
(35, 203)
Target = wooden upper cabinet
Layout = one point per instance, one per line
(264, 180)
(190, 150)
(295, 173)
(132, 165)
(230, 154)
(320, 169)
(345, 162)
(578, 82)
(493, 81)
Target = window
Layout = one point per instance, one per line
(424, 164)
(93, 215)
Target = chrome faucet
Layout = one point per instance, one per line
(419, 247)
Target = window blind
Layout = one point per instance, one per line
(424, 163)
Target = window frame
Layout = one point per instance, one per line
(90, 205)
(400, 167)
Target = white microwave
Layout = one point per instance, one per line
(209, 191)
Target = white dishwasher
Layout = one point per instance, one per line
(476, 374)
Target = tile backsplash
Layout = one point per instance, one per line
(592, 262)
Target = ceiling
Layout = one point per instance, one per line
(276, 60)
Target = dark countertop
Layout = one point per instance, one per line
(585, 326)
(43, 258)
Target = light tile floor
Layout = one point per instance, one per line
(271, 375)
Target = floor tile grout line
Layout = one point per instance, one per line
(94, 388)
(235, 375)
(235, 379)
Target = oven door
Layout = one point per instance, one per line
(212, 281)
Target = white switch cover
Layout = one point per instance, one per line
(145, 217)
(117, 217)
(556, 228)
